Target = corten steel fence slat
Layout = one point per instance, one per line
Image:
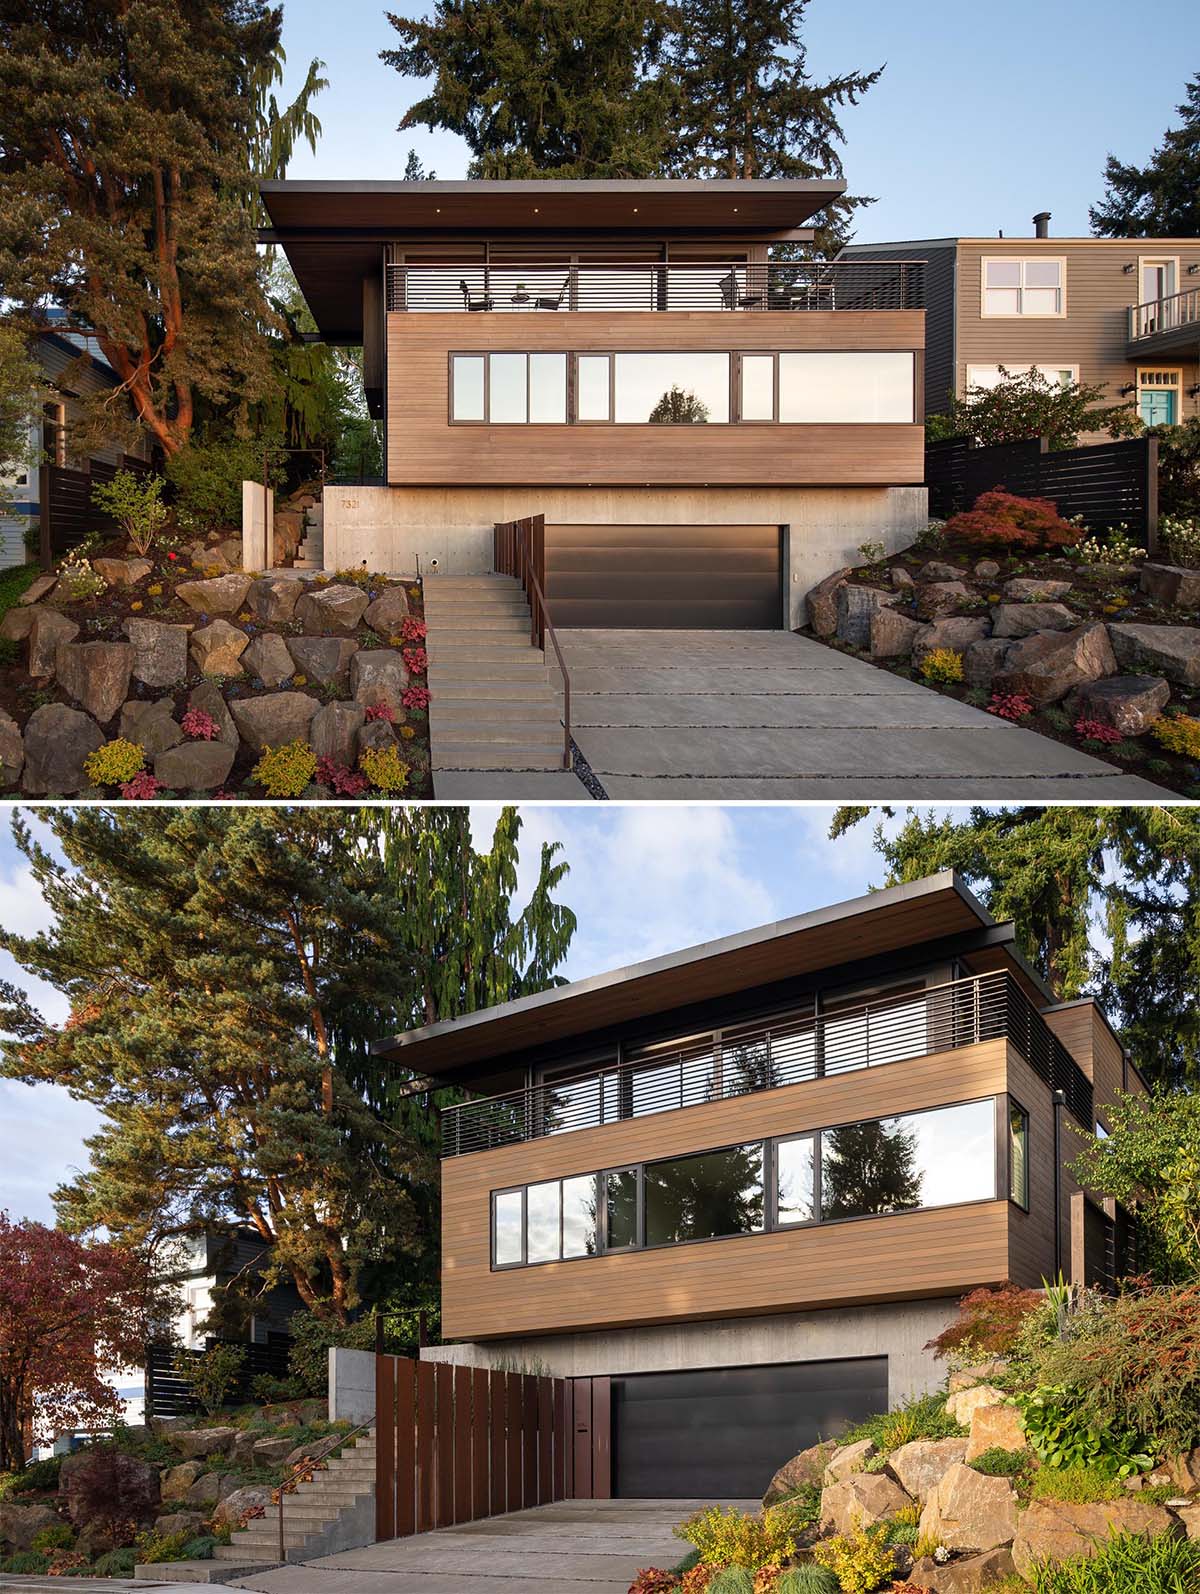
(444, 1445)
(499, 1447)
(582, 1430)
(561, 1485)
(519, 549)
(601, 1438)
(515, 1494)
(529, 1426)
(462, 1507)
(545, 1433)
(481, 1407)
(425, 1463)
(385, 1447)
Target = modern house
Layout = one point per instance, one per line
(707, 427)
(1122, 312)
(745, 1183)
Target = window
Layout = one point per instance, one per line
(989, 376)
(1157, 279)
(621, 1228)
(579, 1216)
(926, 1159)
(466, 387)
(845, 387)
(1018, 1155)
(593, 387)
(671, 389)
(542, 1218)
(795, 1180)
(546, 1221)
(704, 1196)
(758, 388)
(509, 1227)
(1023, 287)
(508, 389)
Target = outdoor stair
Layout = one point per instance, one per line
(494, 703)
(311, 553)
(335, 1512)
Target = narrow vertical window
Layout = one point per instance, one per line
(579, 1216)
(593, 396)
(1018, 1155)
(795, 1181)
(621, 1209)
(542, 1217)
(758, 388)
(508, 1228)
(466, 387)
(508, 397)
(547, 387)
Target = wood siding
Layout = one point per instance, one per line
(1031, 1234)
(913, 1254)
(425, 449)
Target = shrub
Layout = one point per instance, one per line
(346, 782)
(1076, 1484)
(944, 665)
(1116, 548)
(732, 1580)
(653, 1580)
(135, 503)
(412, 629)
(211, 1377)
(1062, 1434)
(116, 1563)
(384, 768)
(115, 763)
(861, 1561)
(153, 1547)
(988, 1323)
(266, 1388)
(28, 1561)
(1000, 1463)
(920, 1417)
(67, 1563)
(286, 771)
(113, 1493)
(77, 578)
(732, 1538)
(379, 711)
(58, 1536)
(1096, 731)
(1000, 519)
(807, 1579)
(200, 1548)
(1180, 536)
(416, 697)
(416, 660)
(1130, 1563)
(1013, 706)
(1178, 733)
(870, 553)
(691, 1559)
(208, 476)
(142, 788)
(37, 1477)
(201, 727)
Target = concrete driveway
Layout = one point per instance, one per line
(574, 1547)
(767, 715)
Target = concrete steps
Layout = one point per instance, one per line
(334, 1511)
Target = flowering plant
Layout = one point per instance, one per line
(380, 711)
(416, 697)
(346, 782)
(142, 787)
(1010, 705)
(1117, 548)
(416, 660)
(413, 630)
(1096, 731)
(201, 727)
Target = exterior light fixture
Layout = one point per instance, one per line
(1194, 390)
(1128, 270)
(1193, 269)
(1130, 387)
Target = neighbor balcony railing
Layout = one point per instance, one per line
(1165, 315)
(787, 1050)
(540, 288)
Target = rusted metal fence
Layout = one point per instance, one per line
(519, 549)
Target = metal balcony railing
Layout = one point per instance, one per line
(787, 1050)
(541, 288)
(1165, 315)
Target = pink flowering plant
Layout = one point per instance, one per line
(416, 660)
(380, 711)
(416, 697)
(345, 782)
(413, 630)
(201, 727)
(142, 788)
(1095, 731)
(1010, 705)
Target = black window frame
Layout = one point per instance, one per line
(1013, 1106)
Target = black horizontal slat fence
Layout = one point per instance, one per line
(168, 1393)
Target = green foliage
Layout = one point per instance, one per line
(115, 763)
(1028, 404)
(942, 665)
(731, 1580)
(77, 580)
(728, 1537)
(312, 1336)
(918, 1417)
(211, 1376)
(30, 1562)
(135, 503)
(691, 1559)
(116, 1563)
(805, 1504)
(1180, 537)
(200, 1548)
(1130, 1563)
(1000, 1463)
(266, 1388)
(21, 381)
(807, 1579)
(208, 474)
(1079, 1485)
(1114, 547)
(862, 1561)
(988, 1323)
(1151, 1160)
(1061, 1434)
(287, 770)
(384, 768)
(153, 1547)
(679, 408)
(1162, 198)
(1178, 733)
(38, 1477)
(940, 428)
(1179, 468)
(58, 1536)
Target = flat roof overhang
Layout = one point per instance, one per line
(882, 921)
(332, 232)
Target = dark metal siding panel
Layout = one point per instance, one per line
(940, 272)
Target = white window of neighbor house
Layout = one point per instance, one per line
(989, 376)
(846, 387)
(1023, 287)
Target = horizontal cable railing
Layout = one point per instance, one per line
(533, 288)
(786, 1051)
(1164, 315)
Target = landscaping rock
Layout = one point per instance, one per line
(195, 766)
(320, 658)
(96, 674)
(922, 1464)
(964, 1403)
(937, 571)
(942, 597)
(122, 572)
(150, 723)
(1055, 1530)
(160, 652)
(1023, 619)
(375, 733)
(377, 675)
(821, 603)
(176, 1481)
(19, 1523)
(231, 548)
(901, 579)
(273, 598)
(273, 721)
(269, 659)
(17, 624)
(41, 587)
(334, 732)
(332, 610)
(1170, 650)
(270, 1452)
(995, 1428)
(983, 660)
(220, 595)
(987, 569)
(981, 1373)
(217, 648)
(1131, 703)
(190, 1522)
(208, 700)
(1026, 589)
(971, 1575)
(211, 562)
(808, 1467)
(1185, 1471)
(12, 750)
(860, 1501)
(206, 1490)
(1189, 1519)
(197, 1442)
(957, 633)
(1046, 666)
(57, 740)
(892, 634)
(847, 1460)
(231, 1507)
(855, 606)
(388, 612)
(132, 1475)
(46, 635)
(969, 1511)
(1172, 584)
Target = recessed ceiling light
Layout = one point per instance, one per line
(535, 210)
(635, 210)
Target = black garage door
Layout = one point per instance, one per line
(722, 1433)
(665, 577)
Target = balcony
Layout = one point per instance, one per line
(1162, 326)
(788, 1050)
(541, 289)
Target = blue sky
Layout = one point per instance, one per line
(984, 115)
(644, 880)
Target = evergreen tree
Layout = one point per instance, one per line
(1162, 198)
(543, 88)
(749, 107)
(867, 1169)
(679, 408)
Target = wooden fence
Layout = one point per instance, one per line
(168, 1393)
(66, 511)
(454, 1444)
(1105, 483)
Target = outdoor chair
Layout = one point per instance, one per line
(486, 303)
(735, 300)
(547, 303)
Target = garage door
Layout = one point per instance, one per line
(722, 1433)
(665, 577)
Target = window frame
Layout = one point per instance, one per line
(1172, 261)
(486, 356)
(775, 1224)
(1020, 313)
(1019, 370)
(1014, 1108)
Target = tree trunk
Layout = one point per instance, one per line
(12, 1441)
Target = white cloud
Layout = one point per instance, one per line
(42, 1130)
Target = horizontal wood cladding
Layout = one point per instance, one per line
(891, 1258)
(1031, 1234)
(424, 449)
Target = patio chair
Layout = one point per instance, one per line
(486, 303)
(735, 300)
(547, 303)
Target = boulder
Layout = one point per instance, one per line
(206, 1490)
(176, 1481)
(388, 612)
(196, 1442)
(969, 1511)
(41, 587)
(231, 548)
(19, 1523)
(189, 1522)
(131, 1474)
(270, 1452)
(220, 595)
(17, 623)
(942, 597)
(964, 1403)
(378, 675)
(1185, 1471)
(1189, 1519)
(1130, 703)
(987, 569)
(855, 606)
(150, 723)
(995, 1428)
(808, 1467)
(820, 603)
(160, 652)
(892, 634)
(273, 721)
(208, 700)
(957, 633)
(195, 766)
(980, 1373)
(334, 732)
(12, 750)
(273, 598)
(972, 1574)
(1023, 619)
(57, 740)
(1055, 1530)
(46, 635)
(96, 674)
(323, 659)
(211, 562)
(936, 571)
(332, 610)
(1047, 665)
(1027, 589)
(1170, 650)
(861, 1501)
(122, 572)
(1173, 585)
(983, 660)
(217, 648)
(901, 579)
(268, 658)
(923, 1463)
(375, 733)
(847, 1460)
(230, 1507)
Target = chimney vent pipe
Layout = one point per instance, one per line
(1041, 224)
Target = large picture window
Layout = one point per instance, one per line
(671, 389)
(924, 1159)
(846, 387)
(705, 1196)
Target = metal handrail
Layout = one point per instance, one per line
(1168, 314)
(788, 1049)
(308, 1464)
(513, 555)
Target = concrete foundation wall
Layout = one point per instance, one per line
(351, 1385)
(411, 530)
(898, 1331)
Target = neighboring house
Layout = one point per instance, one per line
(707, 432)
(57, 353)
(204, 1265)
(1122, 312)
(747, 1182)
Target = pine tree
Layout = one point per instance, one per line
(543, 88)
(678, 408)
(749, 107)
(868, 1169)
(1162, 198)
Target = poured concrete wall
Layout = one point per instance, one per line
(412, 530)
(351, 1385)
(899, 1332)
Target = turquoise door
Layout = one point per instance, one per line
(1157, 406)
